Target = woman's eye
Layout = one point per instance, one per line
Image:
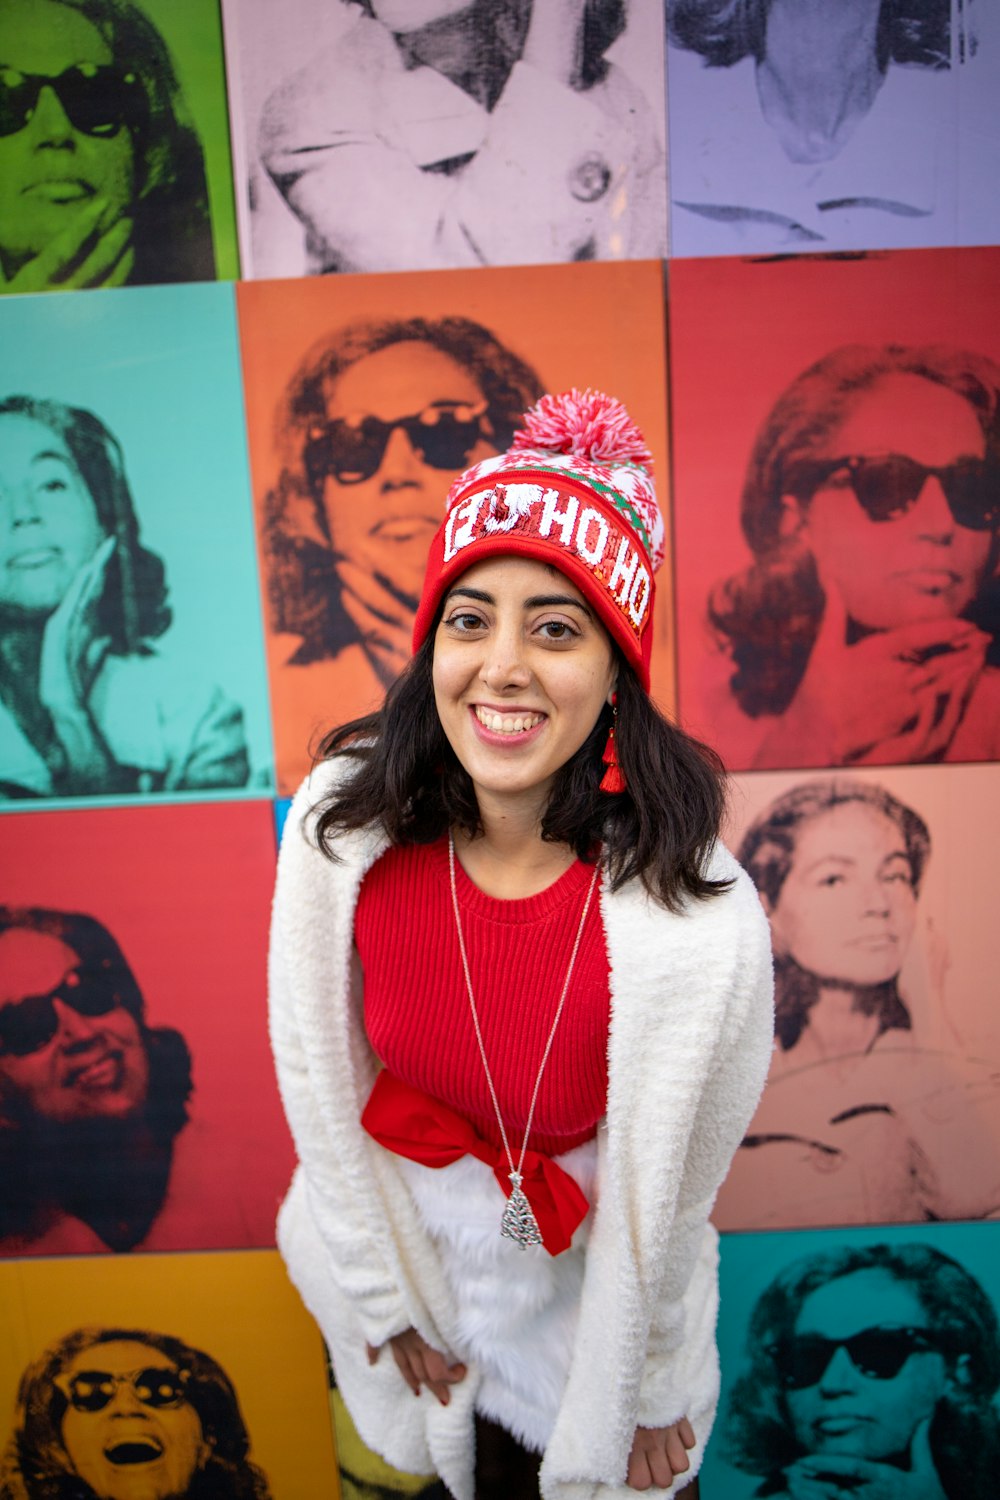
(831, 880)
(557, 630)
(464, 622)
(53, 486)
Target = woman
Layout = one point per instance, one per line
(379, 417)
(796, 124)
(111, 1413)
(870, 1370)
(864, 1119)
(838, 865)
(865, 630)
(467, 132)
(102, 179)
(88, 705)
(518, 834)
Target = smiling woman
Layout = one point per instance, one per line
(102, 179)
(115, 1413)
(520, 857)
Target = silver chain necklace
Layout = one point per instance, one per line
(518, 1222)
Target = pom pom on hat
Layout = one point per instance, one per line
(587, 424)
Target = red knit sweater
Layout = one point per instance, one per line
(417, 1011)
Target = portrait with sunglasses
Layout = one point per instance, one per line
(92, 1099)
(115, 1411)
(376, 423)
(869, 1368)
(101, 180)
(867, 628)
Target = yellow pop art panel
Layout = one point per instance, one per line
(194, 1375)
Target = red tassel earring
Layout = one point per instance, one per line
(613, 779)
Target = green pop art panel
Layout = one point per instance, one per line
(131, 642)
(114, 145)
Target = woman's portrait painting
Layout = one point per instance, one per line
(849, 615)
(357, 433)
(144, 1380)
(138, 1110)
(128, 607)
(381, 135)
(859, 1361)
(831, 127)
(113, 156)
(883, 1100)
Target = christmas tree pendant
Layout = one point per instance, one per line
(519, 1223)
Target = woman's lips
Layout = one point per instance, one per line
(60, 190)
(34, 557)
(103, 1072)
(507, 726)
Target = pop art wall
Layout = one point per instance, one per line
(799, 302)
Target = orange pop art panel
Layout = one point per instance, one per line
(366, 396)
(196, 1376)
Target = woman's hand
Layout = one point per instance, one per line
(72, 655)
(384, 624)
(659, 1454)
(897, 695)
(836, 1476)
(88, 252)
(419, 1364)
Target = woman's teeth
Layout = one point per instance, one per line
(507, 723)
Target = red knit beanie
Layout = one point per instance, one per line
(574, 490)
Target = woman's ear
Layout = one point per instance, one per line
(960, 1374)
(791, 519)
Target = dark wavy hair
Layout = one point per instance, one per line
(768, 616)
(303, 589)
(725, 31)
(500, 28)
(767, 852)
(758, 1435)
(407, 780)
(133, 606)
(36, 1465)
(83, 1166)
(172, 233)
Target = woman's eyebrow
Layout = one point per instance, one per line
(550, 601)
(478, 594)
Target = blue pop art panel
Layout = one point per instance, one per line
(858, 1361)
(132, 636)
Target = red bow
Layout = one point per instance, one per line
(411, 1123)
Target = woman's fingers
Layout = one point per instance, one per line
(659, 1454)
(419, 1364)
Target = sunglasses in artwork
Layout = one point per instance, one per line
(351, 449)
(93, 1390)
(98, 100)
(887, 485)
(29, 1024)
(879, 1353)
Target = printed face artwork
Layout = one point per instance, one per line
(383, 523)
(847, 907)
(51, 170)
(48, 521)
(129, 1431)
(522, 669)
(59, 1062)
(922, 564)
(402, 16)
(846, 1410)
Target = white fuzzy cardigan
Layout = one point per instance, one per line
(688, 1052)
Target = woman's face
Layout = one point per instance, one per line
(847, 907)
(384, 523)
(846, 1411)
(146, 1442)
(48, 521)
(59, 1064)
(51, 172)
(921, 565)
(522, 669)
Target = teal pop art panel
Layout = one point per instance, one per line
(130, 628)
(858, 1361)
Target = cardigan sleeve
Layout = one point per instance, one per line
(310, 982)
(682, 1330)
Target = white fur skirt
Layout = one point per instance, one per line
(517, 1308)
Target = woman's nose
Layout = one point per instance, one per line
(840, 1374)
(20, 505)
(74, 1027)
(49, 124)
(401, 463)
(504, 665)
(931, 514)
